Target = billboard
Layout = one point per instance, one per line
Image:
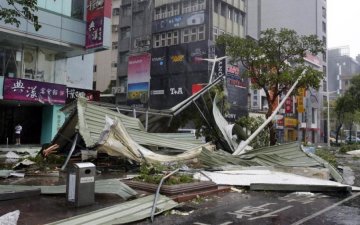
(34, 91)
(196, 52)
(138, 79)
(98, 24)
(177, 59)
(179, 21)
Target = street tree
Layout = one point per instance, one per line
(275, 62)
(12, 10)
(354, 90)
(344, 109)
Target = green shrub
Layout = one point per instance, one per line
(326, 155)
(350, 147)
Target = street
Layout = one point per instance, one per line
(268, 208)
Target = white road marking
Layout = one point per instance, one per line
(326, 209)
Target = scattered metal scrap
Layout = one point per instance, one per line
(108, 186)
(127, 212)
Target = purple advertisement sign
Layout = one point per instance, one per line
(34, 91)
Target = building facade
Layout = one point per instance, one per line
(161, 47)
(342, 68)
(42, 70)
(306, 17)
(105, 63)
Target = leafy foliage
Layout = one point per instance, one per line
(349, 147)
(275, 62)
(327, 155)
(251, 124)
(13, 10)
(153, 173)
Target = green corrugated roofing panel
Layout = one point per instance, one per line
(122, 213)
(150, 139)
(280, 155)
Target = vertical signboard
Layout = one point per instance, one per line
(139, 79)
(98, 23)
(289, 105)
(300, 100)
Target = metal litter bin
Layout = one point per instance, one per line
(80, 186)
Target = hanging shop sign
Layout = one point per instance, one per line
(290, 122)
(300, 104)
(289, 105)
(74, 93)
(34, 91)
(98, 24)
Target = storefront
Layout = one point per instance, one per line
(33, 104)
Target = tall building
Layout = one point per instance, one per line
(341, 69)
(307, 17)
(161, 47)
(42, 70)
(105, 63)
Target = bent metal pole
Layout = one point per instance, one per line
(241, 147)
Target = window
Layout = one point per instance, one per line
(186, 6)
(324, 27)
(116, 11)
(230, 14)
(94, 68)
(125, 32)
(324, 56)
(94, 85)
(113, 64)
(114, 28)
(215, 33)
(165, 39)
(324, 12)
(127, 10)
(236, 16)
(313, 115)
(115, 45)
(193, 34)
(123, 57)
(216, 6)
(324, 85)
(223, 9)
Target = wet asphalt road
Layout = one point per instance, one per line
(263, 208)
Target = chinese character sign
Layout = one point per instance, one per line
(98, 14)
(74, 93)
(34, 91)
(289, 105)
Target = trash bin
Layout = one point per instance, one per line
(80, 186)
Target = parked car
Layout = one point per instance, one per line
(353, 139)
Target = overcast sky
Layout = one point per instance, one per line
(343, 17)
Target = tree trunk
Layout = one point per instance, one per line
(272, 131)
(338, 132)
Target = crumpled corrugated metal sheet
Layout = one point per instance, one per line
(127, 212)
(116, 141)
